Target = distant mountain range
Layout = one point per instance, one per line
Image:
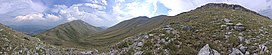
(30, 29)
(215, 28)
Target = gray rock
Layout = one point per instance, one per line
(140, 44)
(236, 52)
(151, 34)
(247, 53)
(241, 39)
(263, 48)
(229, 24)
(247, 41)
(227, 20)
(188, 28)
(146, 36)
(242, 48)
(1, 29)
(6, 39)
(239, 27)
(206, 50)
(255, 54)
(138, 53)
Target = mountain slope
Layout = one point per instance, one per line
(16, 43)
(103, 40)
(213, 28)
(10, 39)
(68, 34)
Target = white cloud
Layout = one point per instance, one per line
(104, 2)
(95, 6)
(20, 7)
(125, 11)
(37, 17)
(30, 17)
(177, 6)
(57, 8)
(100, 2)
(52, 17)
(96, 17)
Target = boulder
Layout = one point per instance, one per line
(247, 41)
(188, 28)
(206, 50)
(1, 29)
(263, 48)
(239, 27)
(242, 48)
(140, 44)
(236, 51)
(247, 53)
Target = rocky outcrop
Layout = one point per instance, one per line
(229, 25)
(206, 50)
(236, 52)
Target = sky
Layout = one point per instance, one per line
(102, 13)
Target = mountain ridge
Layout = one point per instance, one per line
(227, 6)
(68, 33)
(224, 31)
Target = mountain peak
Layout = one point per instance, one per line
(68, 32)
(228, 6)
(224, 5)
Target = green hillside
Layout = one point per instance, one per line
(68, 34)
(227, 29)
(103, 40)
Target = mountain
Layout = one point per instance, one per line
(68, 34)
(103, 40)
(30, 29)
(212, 29)
(215, 28)
(9, 39)
(16, 43)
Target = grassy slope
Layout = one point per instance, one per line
(12, 41)
(68, 34)
(207, 20)
(104, 40)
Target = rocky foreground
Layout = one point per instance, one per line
(171, 40)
